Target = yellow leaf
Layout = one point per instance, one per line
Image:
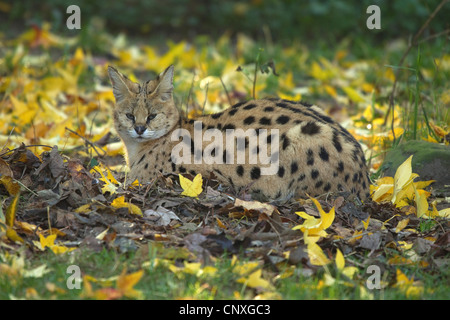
(83, 209)
(316, 255)
(330, 90)
(315, 227)
(108, 179)
(11, 186)
(354, 95)
(366, 223)
(401, 225)
(13, 236)
(255, 205)
(220, 223)
(403, 245)
(402, 177)
(444, 213)
(421, 203)
(47, 242)
(340, 261)
(120, 203)
(245, 268)
(254, 280)
(382, 191)
(423, 184)
(11, 211)
(409, 286)
(191, 188)
(126, 283)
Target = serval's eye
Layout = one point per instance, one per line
(130, 116)
(151, 117)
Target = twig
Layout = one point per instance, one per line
(226, 91)
(31, 145)
(206, 98)
(254, 78)
(189, 96)
(88, 142)
(413, 43)
(436, 35)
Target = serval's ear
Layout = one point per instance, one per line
(165, 86)
(122, 86)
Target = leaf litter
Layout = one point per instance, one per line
(64, 206)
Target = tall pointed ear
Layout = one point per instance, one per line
(165, 86)
(122, 86)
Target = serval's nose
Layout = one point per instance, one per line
(140, 129)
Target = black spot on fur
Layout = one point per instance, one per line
(336, 142)
(302, 177)
(237, 105)
(182, 169)
(193, 172)
(323, 154)
(146, 166)
(327, 187)
(347, 176)
(286, 142)
(142, 158)
(311, 128)
(314, 174)
(265, 121)
(174, 167)
(281, 171)
(291, 183)
(228, 126)
(340, 166)
(249, 120)
(250, 106)
(216, 115)
(232, 112)
(319, 184)
(283, 119)
(269, 109)
(306, 104)
(294, 167)
(255, 173)
(309, 157)
(240, 171)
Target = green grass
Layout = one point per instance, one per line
(159, 282)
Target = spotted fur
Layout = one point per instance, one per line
(316, 155)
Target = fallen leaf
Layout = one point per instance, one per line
(254, 280)
(10, 215)
(260, 207)
(126, 283)
(162, 216)
(120, 203)
(191, 188)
